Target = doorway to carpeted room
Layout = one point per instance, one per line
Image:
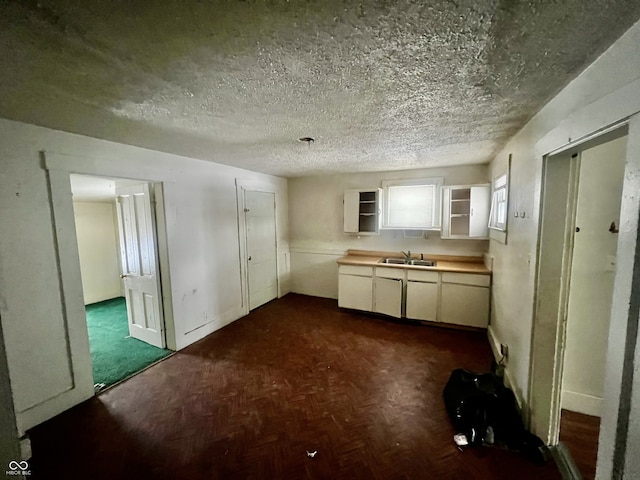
(114, 354)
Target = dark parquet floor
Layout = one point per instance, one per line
(297, 375)
(579, 433)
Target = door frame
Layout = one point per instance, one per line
(58, 168)
(554, 258)
(242, 186)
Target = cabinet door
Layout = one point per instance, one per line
(422, 300)
(480, 206)
(355, 292)
(351, 211)
(388, 296)
(465, 305)
(446, 212)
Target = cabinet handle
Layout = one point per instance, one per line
(472, 212)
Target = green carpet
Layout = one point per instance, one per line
(115, 355)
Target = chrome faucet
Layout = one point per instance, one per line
(407, 256)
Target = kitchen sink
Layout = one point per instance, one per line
(395, 261)
(414, 261)
(423, 263)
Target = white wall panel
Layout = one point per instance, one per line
(98, 249)
(201, 239)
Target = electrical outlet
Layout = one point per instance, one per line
(504, 350)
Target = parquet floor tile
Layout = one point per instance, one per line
(579, 433)
(297, 375)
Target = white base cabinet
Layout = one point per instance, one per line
(446, 297)
(422, 301)
(464, 299)
(423, 294)
(388, 296)
(355, 287)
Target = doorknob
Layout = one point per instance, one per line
(249, 257)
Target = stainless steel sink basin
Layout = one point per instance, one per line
(395, 261)
(423, 263)
(414, 261)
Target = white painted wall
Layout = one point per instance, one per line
(592, 275)
(98, 250)
(316, 225)
(620, 426)
(202, 243)
(9, 444)
(606, 92)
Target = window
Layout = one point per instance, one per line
(498, 215)
(412, 204)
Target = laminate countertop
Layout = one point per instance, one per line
(444, 263)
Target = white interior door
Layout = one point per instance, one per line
(260, 220)
(592, 276)
(140, 263)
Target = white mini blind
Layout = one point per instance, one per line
(412, 204)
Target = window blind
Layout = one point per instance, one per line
(411, 206)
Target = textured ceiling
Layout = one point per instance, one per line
(380, 85)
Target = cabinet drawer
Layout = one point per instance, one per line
(423, 276)
(386, 272)
(356, 270)
(466, 279)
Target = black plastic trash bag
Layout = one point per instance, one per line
(485, 411)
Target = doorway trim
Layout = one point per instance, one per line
(58, 169)
(554, 256)
(246, 185)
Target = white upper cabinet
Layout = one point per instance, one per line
(465, 211)
(362, 211)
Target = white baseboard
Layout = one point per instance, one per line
(216, 323)
(581, 403)
(494, 343)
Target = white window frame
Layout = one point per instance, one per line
(499, 213)
(436, 182)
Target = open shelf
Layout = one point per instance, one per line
(362, 211)
(465, 211)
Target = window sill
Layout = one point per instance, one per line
(498, 235)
